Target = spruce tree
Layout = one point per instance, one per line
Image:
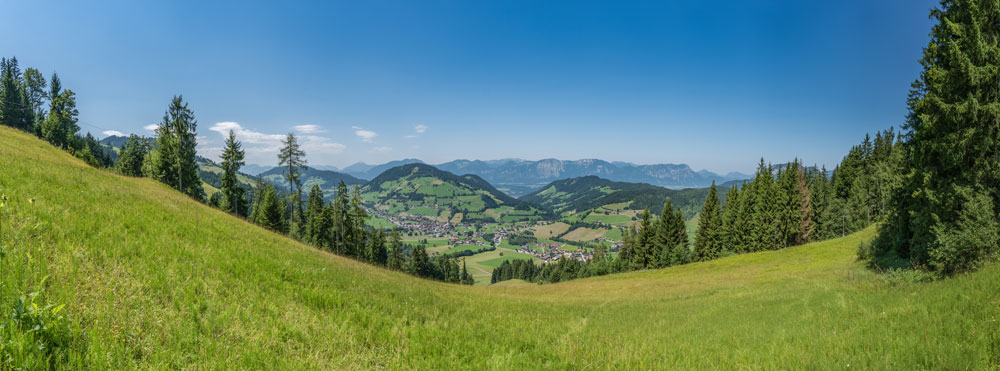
(316, 225)
(34, 87)
(395, 259)
(175, 147)
(763, 222)
(60, 123)
(269, 211)
(728, 216)
(131, 156)
(644, 243)
(707, 240)
(945, 217)
(14, 108)
(233, 197)
(358, 218)
(292, 159)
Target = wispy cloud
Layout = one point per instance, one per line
(114, 133)
(366, 136)
(308, 129)
(262, 148)
(419, 129)
(151, 127)
(382, 149)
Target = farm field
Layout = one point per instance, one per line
(173, 283)
(551, 230)
(585, 234)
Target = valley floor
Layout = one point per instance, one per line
(151, 279)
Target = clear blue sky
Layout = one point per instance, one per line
(715, 85)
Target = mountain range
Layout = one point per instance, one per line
(518, 177)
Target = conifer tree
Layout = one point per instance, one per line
(34, 88)
(789, 206)
(644, 242)
(175, 147)
(15, 111)
(763, 220)
(395, 259)
(317, 225)
(342, 221)
(358, 218)
(131, 156)
(60, 123)
(730, 217)
(376, 252)
(707, 241)
(945, 217)
(233, 195)
(420, 264)
(269, 210)
(292, 159)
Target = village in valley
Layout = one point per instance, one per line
(442, 237)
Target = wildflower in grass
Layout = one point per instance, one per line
(31, 200)
(4, 197)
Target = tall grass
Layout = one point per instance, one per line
(144, 277)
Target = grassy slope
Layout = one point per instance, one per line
(183, 285)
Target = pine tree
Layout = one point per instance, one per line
(316, 224)
(233, 195)
(358, 218)
(763, 221)
(14, 108)
(644, 242)
(174, 163)
(342, 222)
(466, 276)
(707, 244)
(663, 238)
(376, 252)
(292, 159)
(681, 253)
(728, 239)
(131, 156)
(789, 205)
(420, 264)
(820, 197)
(60, 123)
(395, 259)
(945, 217)
(269, 210)
(34, 84)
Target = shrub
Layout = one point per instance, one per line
(34, 336)
(971, 239)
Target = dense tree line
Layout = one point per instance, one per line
(943, 217)
(792, 205)
(22, 106)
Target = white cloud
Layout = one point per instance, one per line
(151, 127)
(382, 149)
(308, 129)
(262, 148)
(420, 128)
(367, 136)
(410, 136)
(114, 133)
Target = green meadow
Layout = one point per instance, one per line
(139, 276)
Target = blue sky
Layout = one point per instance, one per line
(715, 85)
